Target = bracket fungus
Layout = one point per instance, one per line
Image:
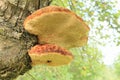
(50, 55)
(55, 26)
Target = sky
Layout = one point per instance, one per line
(118, 4)
(109, 52)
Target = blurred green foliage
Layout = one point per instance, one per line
(86, 65)
(117, 66)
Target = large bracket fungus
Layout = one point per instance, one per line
(55, 26)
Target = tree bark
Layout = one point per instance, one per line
(14, 40)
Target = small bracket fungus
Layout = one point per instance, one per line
(50, 54)
(59, 26)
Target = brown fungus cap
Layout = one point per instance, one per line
(57, 25)
(51, 55)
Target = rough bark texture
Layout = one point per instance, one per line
(14, 40)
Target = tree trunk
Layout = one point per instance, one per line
(14, 40)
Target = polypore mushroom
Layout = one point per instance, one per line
(50, 55)
(58, 26)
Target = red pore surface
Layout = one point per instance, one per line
(41, 49)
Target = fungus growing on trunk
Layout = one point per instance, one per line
(58, 26)
(49, 54)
